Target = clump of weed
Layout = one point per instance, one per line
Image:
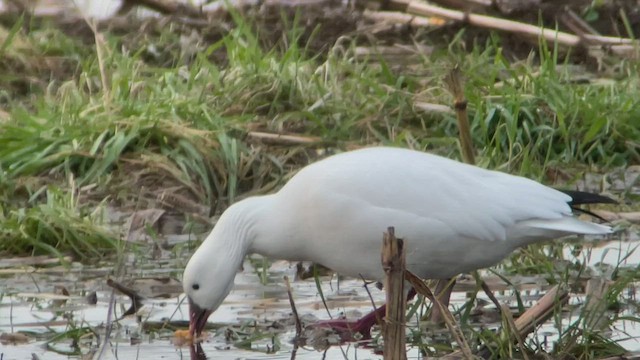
(57, 225)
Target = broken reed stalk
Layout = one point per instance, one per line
(554, 299)
(453, 81)
(455, 86)
(283, 139)
(393, 263)
(422, 289)
(486, 289)
(495, 23)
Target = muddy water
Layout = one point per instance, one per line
(31, 304)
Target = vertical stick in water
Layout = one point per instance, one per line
(393, 263)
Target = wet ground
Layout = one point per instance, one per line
(33, 305)
(255, 321)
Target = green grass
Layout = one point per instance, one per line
(181, 115)
(53, 222)
(159, 115)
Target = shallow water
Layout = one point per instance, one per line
(29, 305)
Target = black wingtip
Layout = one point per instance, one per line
(583, 197)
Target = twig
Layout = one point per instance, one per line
(293, 307)
(466, 5)
(576, 24)
(104, 345)
(136, 299)
(554, 299)
(279, 139)
(373, 303)
(170, 198)
(490, 22)
(163, 7)
(487, 291)
(100, 48)
(633, 217)
(393, 263)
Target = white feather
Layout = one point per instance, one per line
(453, 217)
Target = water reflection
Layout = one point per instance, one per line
(251, 309)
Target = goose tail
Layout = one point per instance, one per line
(569, 224)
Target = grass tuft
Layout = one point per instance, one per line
(55, 224)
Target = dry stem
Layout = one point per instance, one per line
(490, 22)
(393, 263)
(293, 307)
(455, 86)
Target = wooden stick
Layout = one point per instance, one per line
(280, 139)
(393, 263)
(490, 22)
(554, 299)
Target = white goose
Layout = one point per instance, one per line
(454, 218)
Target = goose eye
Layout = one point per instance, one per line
(195, 286)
